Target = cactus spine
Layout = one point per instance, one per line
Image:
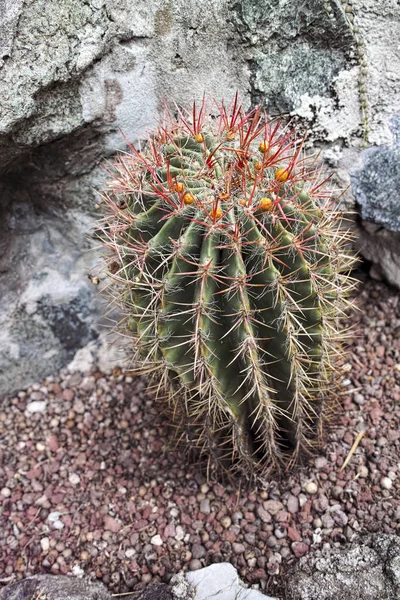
(231, 260)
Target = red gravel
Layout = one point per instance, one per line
(90, 483)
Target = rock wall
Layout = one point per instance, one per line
(74, 73)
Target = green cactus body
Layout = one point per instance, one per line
(234, 273)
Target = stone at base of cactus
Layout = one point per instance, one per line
(232, 264)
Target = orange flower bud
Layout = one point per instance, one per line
(179, 187)
(188, 198)
(217, 212)
(199, 137)
(258, 166)
(263, 147)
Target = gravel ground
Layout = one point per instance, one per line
(89, 484)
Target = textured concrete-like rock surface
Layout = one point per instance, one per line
(73, 73)
(366, 570)
(59, 587)
(55, 587)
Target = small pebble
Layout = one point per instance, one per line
(45, 544)
(53, 516)
(293, 504)
(363, 471)
(299, 549)
(359, 399)
(226, 522)
(198, 551)
(337, 492)
(340, 518)
(386, 483)
(272, 506)
(280, 533)
(311, 487)
(317, 523)
(238, 548)
(321, 462)
(37, 406)
(156, 540)
(327, 522)
(205, 506)
(195, 565)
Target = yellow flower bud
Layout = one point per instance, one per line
(266, 204)
(281, 174)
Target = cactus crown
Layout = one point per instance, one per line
(232, 267)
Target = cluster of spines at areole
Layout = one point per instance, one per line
(230, 260)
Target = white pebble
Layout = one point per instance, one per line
(77, 571)
(40, 447)
(363, 471)
(386, 483)
(302, 500)
(45, 544)
(130, 552)
(311, 487)
(226, 522)
(74, 479)
(156, 540)
(37, 406)
(5, 492)
(58, 525)
(317, 523)
(317, 536)
(54, 516)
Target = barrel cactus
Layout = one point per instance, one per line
(230, 259)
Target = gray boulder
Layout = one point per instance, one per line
(221, 581)
(365, 570)
(73, 74)
(376, 188)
